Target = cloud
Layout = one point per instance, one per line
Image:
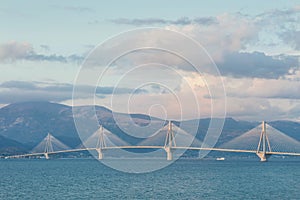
(274, 15)
(257, 64)
(235, 35)
(283, 24)
(51, 58)
(292, 37)
(238, 32)
(14, 51)
(258, 98)
(205, 20)
(230, 34)
(262, 88)
(14, 91)
(33, 56)
(155, 21)
(262, 109)
(79, 9)
(19, 85)
(45, 47)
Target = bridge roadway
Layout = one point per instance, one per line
(154, 147)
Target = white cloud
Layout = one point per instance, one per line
(12, 51)
(230, 34)
(262, 88)
(259, 86)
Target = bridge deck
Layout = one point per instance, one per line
(155, 147)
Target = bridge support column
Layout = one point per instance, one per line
(100, 154)
(169, 153)
(262, 156)
(46, 155)
(100, 143)
(169, 142)
(263, 144)
(48, 147)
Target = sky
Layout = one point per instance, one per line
(255, 45)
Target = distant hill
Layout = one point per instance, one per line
(291, 128)
(24, 125)
(8, 146)
(29, 122)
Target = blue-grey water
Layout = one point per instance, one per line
(185, 179)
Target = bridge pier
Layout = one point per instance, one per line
(100, 154)
(263, 144)
(100, 143)
(46, 156)
(262, 156)
(169, 142)
(169, 153)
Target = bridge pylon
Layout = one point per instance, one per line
(100, 143)
(263, 144)
(48, 146)
(170, 141)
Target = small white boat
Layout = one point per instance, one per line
(220, 158)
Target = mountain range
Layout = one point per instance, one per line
(24, 125)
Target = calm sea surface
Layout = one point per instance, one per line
(184, 179)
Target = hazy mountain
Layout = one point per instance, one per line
(8, 146)
(291, 128)
(24, 125)
(29, 122)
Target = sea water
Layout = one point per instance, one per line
(184, 179)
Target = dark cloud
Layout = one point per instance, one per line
(155, 21)
(205, 20)
(54, 58)
(13, 91)
(257, 64)
(16, 91)
(18, 84)
(40, 57)
(155, 86)
(45, 47)
(75, 58)
(112, 90)
(36, 85)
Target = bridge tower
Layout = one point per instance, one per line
(100, 143)
(169, 142)
(48, 146)
(263, 144)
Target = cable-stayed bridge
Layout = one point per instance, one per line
(263, 140)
